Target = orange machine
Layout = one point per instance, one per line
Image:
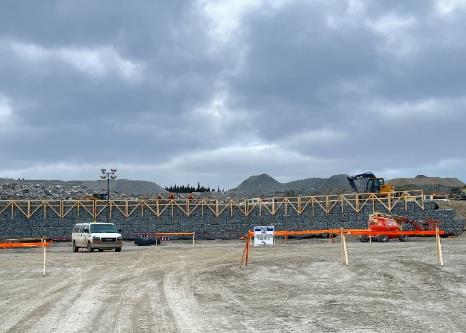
(379, 222)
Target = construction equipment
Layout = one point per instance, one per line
(379, 222)
(373, 184)
(458, 193)
(95, 196)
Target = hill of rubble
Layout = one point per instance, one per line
(60, 190)
(265, 185)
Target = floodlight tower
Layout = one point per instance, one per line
(108, 175)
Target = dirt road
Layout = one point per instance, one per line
(296, 287)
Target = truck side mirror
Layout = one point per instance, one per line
(119, 230)
(86, 231)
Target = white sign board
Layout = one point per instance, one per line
(263, 235)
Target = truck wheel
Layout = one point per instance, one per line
(89, 247)
(403, 238)
(118, 249)
(75, 248)
(384, 238)
(364, 238)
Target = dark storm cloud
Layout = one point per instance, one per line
(87, 110)
(217, 90)
(328, 68)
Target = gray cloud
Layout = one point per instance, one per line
(181, 91)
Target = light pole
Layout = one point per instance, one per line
(108, 175)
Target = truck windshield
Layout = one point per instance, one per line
(96, 228)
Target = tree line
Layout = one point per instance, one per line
(189, 189)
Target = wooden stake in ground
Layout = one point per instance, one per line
(344, 252)
(248, 243)
(438, 248)
(245, 252)
(45, 254)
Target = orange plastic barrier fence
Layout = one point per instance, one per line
(193, 234)
(22, 245)
(44, 243)
(175, 233)
(349, 232)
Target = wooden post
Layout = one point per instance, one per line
(193, 237)
(45, 254)
(344, 252)
(341, 244)
(438, 248)
(248, 244)
(243, 258)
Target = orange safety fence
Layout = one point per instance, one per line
(162, 234)
(174, 233)
(10, 245)
(29, 243)
(348, 232)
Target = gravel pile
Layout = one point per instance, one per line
(25, 191)
(64, 190)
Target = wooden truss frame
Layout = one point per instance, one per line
(262, 206)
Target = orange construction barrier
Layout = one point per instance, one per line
(28, 243)
(6, 245)
(163, 234)
(349, 232)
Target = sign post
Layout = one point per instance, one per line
(263, 235)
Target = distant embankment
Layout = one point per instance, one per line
(215, 219)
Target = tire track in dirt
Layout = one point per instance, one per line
(178, 291)
(23, 317)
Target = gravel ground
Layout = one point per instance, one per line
(300, 286)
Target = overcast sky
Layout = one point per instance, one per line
(216, 91)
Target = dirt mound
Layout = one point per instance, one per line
(265, 185)
(427, 184)
(258, 185)
(334, 185)
(423, 180)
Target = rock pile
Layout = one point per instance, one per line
(11, 189)
(27, 191)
